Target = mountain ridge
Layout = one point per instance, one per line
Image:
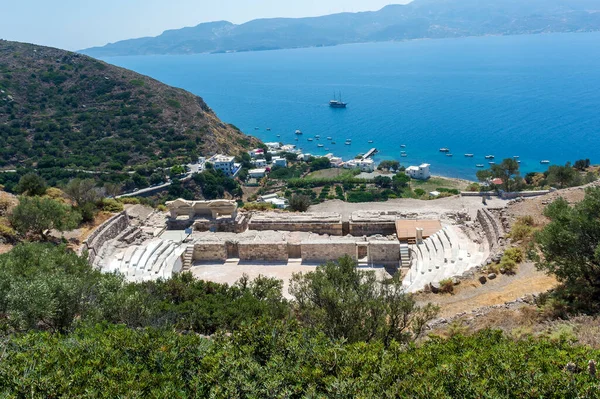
(416, 20)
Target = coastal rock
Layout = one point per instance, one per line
(491, 276)
(482, 279)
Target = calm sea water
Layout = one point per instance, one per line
(534, 96)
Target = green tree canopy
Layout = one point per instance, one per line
(82, 191)
(299, 203)
(563, 176)
(338, 294)
(570, 244)
(31, 184)
(35, 215)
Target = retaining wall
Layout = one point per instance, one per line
(105, 232)
(384, 252)
(210, 251)
(274, 251)
(318, 251)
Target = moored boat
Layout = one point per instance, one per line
(480, 165)
(545, 162)
(469, 155)
(490, 157)
(298, 132)
(444, 149)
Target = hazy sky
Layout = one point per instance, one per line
(78, 24)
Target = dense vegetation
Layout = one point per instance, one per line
(65, 110)
(66, 330)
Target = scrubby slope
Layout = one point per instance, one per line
(59, 108)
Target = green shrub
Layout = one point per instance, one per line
(111, 205)
(129, 200)
(515, 254)
(162, 208)
(447, 286)
(419, 192)
(507, 265)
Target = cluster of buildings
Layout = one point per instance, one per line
(226, 163)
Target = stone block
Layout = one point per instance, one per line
(263, 251)
(209, 251)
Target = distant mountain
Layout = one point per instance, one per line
(419, 19)
(59, 109)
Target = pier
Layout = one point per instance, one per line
(369, 154)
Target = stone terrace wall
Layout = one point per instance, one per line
(105, 232)
(318, 223)
(384, 252)
(319, 251)
(367, 223)
(265, 251)
(209, 251)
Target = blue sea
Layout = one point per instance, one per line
(533, 96)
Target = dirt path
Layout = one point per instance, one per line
(439, 206)
(472, 294)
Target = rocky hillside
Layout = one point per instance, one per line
(59, 108)
(418, 19)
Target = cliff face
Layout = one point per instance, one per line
(59, 108)
(418, 19)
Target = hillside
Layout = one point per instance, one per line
(419, 19)
(59, 108)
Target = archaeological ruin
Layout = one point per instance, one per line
(143, 244)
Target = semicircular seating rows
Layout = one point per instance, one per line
(444, 255)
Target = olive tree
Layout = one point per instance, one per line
(346, 302)
(35, 215)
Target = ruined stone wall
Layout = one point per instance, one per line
(319, 251)
(263, 251)
(318, 223)
(105, 232)
(210, 251)
(359, 229)
(384, 252)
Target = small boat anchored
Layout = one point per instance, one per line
(545, 162)
(444, 149)
(370, 141)
(319, 145)
(328, 138)
(402, 145)
(469, 155)
(310, 139)
(449, 155)
(480, 165)
(489, 157)
(298, 132)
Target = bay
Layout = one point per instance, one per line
(532, 96)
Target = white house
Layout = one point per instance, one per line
(278, 161)
(275, 199)
(260, 163)
(420, 172)
(304, 157)
(224, 163)
(257, 173)
(365, 165)
(336, 162)
(257, 152)
(273, 146)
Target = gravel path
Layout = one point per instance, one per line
(439, 206)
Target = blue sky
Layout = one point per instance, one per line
(78, 24)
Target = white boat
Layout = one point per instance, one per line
(298, 132)
(328, 138)
(469, 155)
(480, 165)
(489, 157)
(404, 155)
(317, 136)
(402, 145)
(370, 141)
(516, 157)
(444, 149)
(310, 139)
(449, 155)
(545, 162)
(319, 145)
(492, 163)
(279, 135)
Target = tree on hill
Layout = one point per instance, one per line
(570, 245)
(299, 203)
(31, 184)
(35, 215)
(319, 163)
(389, 165)
(82, 191)
(563, 176)
(507, 171)
(582, 164)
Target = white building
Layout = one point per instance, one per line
(260, 163)
(278, 161)
(304, 157)
(419, 172)
(336, 162)
(288, 148)
(275, 199)
(273, 146)
(224, 163)
(257, 152)
(257, 173)
(365, 165)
